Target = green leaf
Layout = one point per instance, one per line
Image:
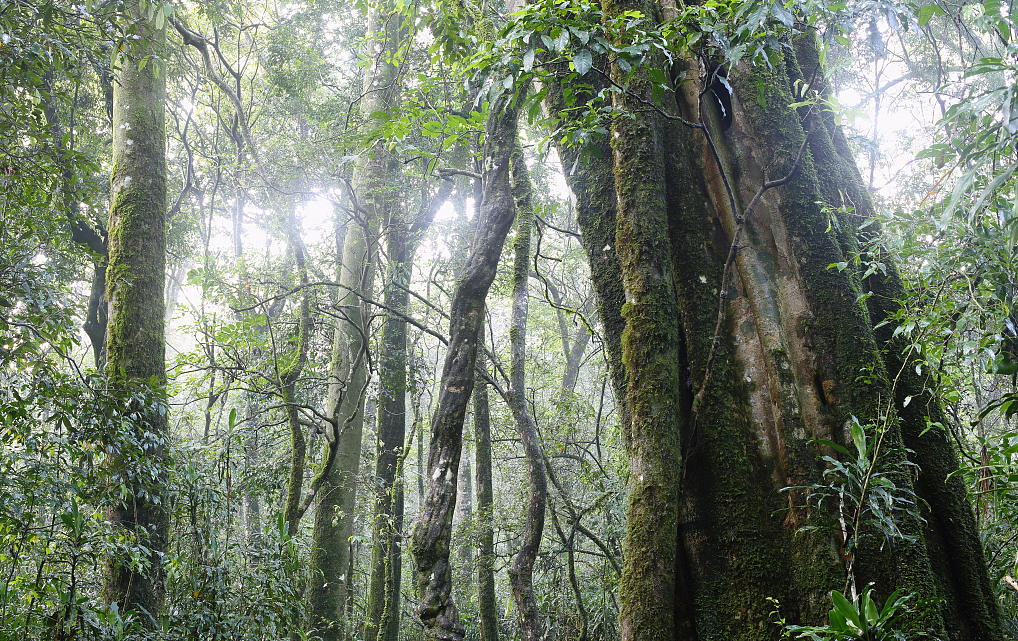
(584, 36)
(995, 184)
(834, 445)
(582, 61)
(561, 41)
(927, 12)
(846, 608)
(868, 608)
(783, 15)
(859, 437)
(528, 60)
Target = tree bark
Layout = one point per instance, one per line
(434, 529)
(487, 606)
(386, 557)
(521, 572)
(719, 423)
(383, 609)
(287, 381)
(969, 607)
(135, 338)
(464, 520)
(348, 373)
(348, 381)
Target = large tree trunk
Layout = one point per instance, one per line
(970, 607)
(718, 425)
(135, 338)
(433, 533)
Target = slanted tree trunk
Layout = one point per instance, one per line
(487, 607)
(348, 372)
(134, 291)
(521, 572)
(719, 424)
(433, 532)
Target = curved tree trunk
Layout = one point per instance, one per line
(433, 533)
(521, 572)
(719, 424)
(135, 345)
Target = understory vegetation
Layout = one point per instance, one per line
(415, 366)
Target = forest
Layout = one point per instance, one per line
(560, 320)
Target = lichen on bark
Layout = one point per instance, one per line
(134, 292)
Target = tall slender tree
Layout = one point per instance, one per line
(383, 603)
(521, 572)
(487, 605)
(371, 196)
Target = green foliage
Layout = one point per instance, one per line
(69, 449)
(865, 489)
(862, 619)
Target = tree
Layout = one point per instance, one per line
(348, 373)
(134, 290)
(386, 554)
(433, 533)
(521, 572)
(743, 348)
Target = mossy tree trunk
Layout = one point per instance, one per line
(521, 571)
(383, 604)
(955, 554)
(487, 605)
(710, 535)
(290, 368)
(134, 290)
(433, 533)
(387, 520)
(464, 521)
